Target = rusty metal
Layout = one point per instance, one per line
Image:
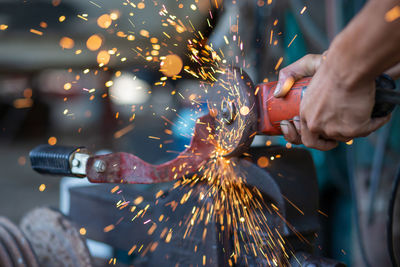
(54, 239)
(127, 168)
(5, 258)
(12, 248)
(21, 241)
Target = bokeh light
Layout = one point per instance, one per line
(171, 65)
(94, 42)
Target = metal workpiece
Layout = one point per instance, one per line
(127, 168)
(123, 167)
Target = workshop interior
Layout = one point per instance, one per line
(128, 138)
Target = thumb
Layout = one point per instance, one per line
(283, 86)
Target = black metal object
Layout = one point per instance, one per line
(302, 259)
(52, 159)
(294, 173)
(386, 96)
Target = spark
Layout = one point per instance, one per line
(82, 17)
(278, 63)
(292, 40)
(393, 14)
(123, 131)
(109, 228)
(95, 4)
(82, 231)
(36, 32)
(322, 213)
(42, 187)
(114, 189)
(52, 141)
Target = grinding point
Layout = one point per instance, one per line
(233, 104)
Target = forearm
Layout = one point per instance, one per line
(368, 46)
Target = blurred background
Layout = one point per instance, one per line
(90, 73)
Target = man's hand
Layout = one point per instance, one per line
(333, 108)
(338, 102)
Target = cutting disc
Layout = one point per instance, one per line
(233, 104)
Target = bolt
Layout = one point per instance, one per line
(99, 166)
(75, 163)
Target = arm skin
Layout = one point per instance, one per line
(338, 102)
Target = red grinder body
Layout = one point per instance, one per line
(274, 110)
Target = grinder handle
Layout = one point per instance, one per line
(274, 110)
(386, 96)
(53, 159)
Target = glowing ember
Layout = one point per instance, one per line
(262, 162)
(104, 21)
(67, 43)
(82, 231)
(114, 15)
(103, 57)
(393, 14)
(42, 187)
(144, 33)
(67, 86)
(94, 43)
(52, 141)
(244, 110)
(171, 65)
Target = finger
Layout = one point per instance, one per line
(375, 124)
(290, 133)
(306, 66)
(334, 134)
(314, 140)
(297, 124)
(282, 88)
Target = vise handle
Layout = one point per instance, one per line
(60, 160)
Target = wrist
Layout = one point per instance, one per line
(346, 63)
